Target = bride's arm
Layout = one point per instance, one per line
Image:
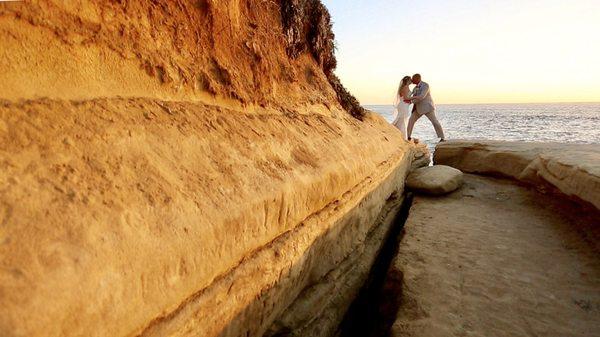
(405, 94)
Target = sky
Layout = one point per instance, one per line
(478, 51)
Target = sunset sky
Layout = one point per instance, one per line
(478, 51)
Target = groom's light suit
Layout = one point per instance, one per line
(423, 105)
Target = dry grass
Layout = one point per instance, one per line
(307, 27)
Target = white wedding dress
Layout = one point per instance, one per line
(401, 114)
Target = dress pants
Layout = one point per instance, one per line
(432, 118)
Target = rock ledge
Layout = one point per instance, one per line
(574, 169)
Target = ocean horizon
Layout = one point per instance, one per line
(543, 122)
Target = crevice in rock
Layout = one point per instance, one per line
(374, 310)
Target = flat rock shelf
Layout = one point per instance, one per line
(498, 259)
(572, 169)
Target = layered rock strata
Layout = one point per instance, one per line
(170, 169)
(573, 169)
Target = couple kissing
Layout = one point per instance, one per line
(420, 98)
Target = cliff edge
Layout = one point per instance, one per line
(188, 168)
(573, 169)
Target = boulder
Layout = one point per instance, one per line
(435, 180)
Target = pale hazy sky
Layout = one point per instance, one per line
(470, 51)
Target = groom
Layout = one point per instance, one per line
(423, 105)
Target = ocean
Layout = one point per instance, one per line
(543, 122)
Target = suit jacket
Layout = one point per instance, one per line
(424, 102)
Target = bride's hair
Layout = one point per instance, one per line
(405, 81)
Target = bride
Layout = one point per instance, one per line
(402, 109)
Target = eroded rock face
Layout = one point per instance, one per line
(319, 308)
(168, 169)
(435, 180)
(220, 53)
(573, 169)
(421, 156)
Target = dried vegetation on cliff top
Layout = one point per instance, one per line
(307, 27)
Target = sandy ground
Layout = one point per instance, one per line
(497, 259)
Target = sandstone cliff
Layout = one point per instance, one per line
(183, 168)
